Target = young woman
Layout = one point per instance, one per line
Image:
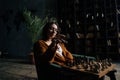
(50, 49)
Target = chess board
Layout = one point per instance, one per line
(85, 72)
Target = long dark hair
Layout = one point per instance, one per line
(46, 28)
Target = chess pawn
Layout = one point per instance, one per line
(109, 62)
(69, 63)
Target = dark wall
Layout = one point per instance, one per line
(14, 39)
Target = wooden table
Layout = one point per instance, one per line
(90, 75)
(102, 73)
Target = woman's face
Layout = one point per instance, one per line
(52, 31)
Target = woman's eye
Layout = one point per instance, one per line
(53, 29)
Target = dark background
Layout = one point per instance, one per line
(14, 39)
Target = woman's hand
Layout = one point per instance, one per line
(60, 38)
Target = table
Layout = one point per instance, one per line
(88, 74)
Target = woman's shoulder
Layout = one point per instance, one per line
(40, 42)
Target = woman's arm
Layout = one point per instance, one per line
(43, 52)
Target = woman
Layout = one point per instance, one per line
(50, 49)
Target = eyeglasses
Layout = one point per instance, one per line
(53, 29)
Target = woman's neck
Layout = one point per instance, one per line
(48, 42)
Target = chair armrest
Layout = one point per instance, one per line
(55, 65)
(82, 56)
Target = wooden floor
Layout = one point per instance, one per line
(14, 69)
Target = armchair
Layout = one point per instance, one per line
(57, 72)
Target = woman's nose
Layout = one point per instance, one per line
(54, 30)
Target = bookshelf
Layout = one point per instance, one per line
(91, 26)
